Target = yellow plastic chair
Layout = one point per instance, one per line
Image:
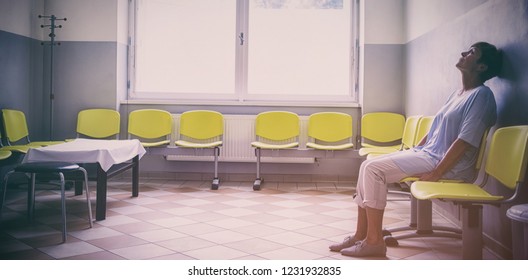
(16, 148)
(506, 163)
(408, 140)
(4, 154)
(382, 129)
(330, 131)
(151, 126)
(16, 129)
(98, 123)
(421, 217)
(202, 129)
(274, 130)
(424, 125)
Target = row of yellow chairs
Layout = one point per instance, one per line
(273, 130)
(204, 129)
(380, 127)
(276, 130)
(199, 129)
(152, 127)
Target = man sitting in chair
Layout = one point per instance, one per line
(449, 150)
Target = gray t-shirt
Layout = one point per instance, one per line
(466, 116)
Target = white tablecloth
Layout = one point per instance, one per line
(104, 152)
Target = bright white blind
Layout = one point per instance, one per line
(185, 46)
(291, 50)
(299, 47)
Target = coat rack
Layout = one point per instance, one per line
(52, 35)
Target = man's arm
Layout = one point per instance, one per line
(422, 142)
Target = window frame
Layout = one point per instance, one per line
(241, 96)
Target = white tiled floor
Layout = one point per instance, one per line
(187, 220)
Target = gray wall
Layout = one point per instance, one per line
(382, 48)
(21, 62)
(85, 77)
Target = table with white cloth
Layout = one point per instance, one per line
(111, 157)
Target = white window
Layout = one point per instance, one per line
(245, 50)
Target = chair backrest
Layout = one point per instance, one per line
(201, 124)
(507, 155)
(150, 123)
(423, 128)
(330, 126)
(15, 125)
(482, 150)
(382, 127)
(480, 155)
(98, 123)
(409, 131)
(277, 125)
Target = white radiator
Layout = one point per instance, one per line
(239, 132)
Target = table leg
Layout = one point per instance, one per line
(31, 198)
(100, 207)
(78, 185)
(135, 177)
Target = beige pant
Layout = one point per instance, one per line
(376, 173)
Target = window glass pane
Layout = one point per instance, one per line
(299, 47)
(185, 46)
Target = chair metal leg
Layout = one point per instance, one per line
(424, 226)
(258, 181)
(86, 189)
(135, 177)
(31, 198)
(4, 191)
(216, 181)
(63, 206)
(30, 195)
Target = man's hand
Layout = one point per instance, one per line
(430, 177)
